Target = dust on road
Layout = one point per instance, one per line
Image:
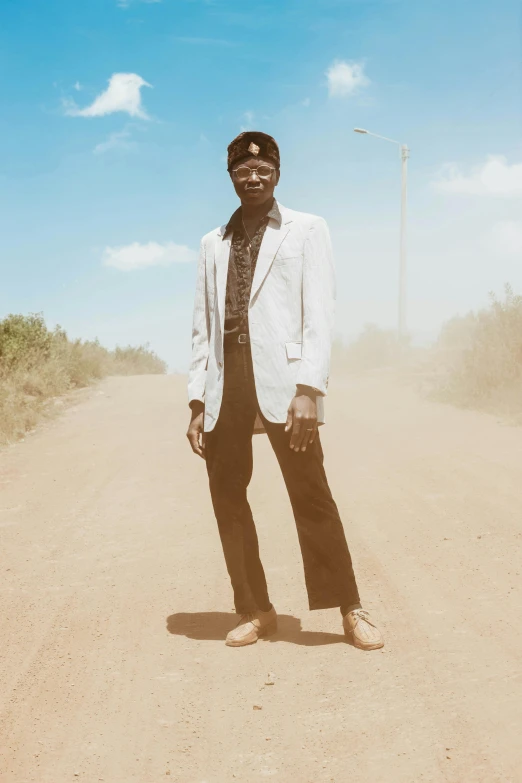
(114, 602)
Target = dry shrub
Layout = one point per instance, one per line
(37, 364)
(373, 349)
(136, 361)
(481, 357)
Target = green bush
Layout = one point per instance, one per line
(24, 340)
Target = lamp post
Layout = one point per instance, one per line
(405, 154)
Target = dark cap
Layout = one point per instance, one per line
(253, 143)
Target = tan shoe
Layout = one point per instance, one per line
(252, 627)
(361, 632)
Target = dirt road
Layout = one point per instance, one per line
(114, 602)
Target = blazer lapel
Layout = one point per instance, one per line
(274, 236)
(222, 256)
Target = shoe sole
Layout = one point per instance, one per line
(351, 640)
(268, 630)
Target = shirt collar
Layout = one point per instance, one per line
(235, 221)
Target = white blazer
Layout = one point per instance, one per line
(290, 316)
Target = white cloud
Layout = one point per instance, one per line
(346, 78)
(495, 177)
(120, 140)
(122, 94)
(506, 237)
(140, 256)
(78, 86)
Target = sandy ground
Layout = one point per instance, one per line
(114, 602)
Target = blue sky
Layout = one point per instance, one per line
(116, 117)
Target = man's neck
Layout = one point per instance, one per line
(256, 212)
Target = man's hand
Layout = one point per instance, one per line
(302, 419)
(195, 434)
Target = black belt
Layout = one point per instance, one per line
(234, 341)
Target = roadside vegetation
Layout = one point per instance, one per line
(476, 361)
(481, 357)
(38, 365)
(373, 349)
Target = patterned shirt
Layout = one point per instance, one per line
(241, 268)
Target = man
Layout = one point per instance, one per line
(261, 340)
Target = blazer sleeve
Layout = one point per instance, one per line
(200, 334)
(318, 294)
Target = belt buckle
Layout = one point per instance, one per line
(242, 338)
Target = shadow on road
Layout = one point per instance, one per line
(214, 626)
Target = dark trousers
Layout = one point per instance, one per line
(329, 576)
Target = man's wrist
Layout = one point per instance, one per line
(308, 390)
(197, 407)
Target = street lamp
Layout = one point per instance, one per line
(405, 154)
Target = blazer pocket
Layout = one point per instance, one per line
(293, 350)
